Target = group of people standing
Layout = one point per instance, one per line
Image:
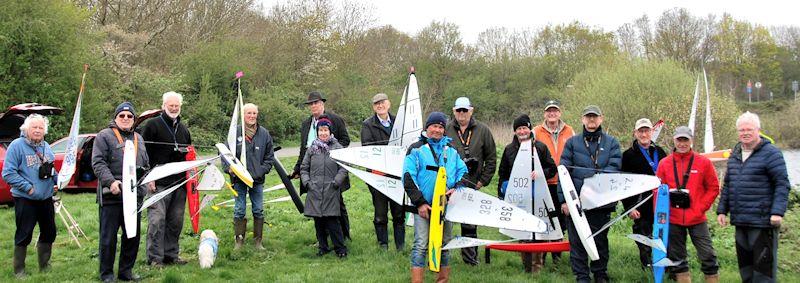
(754, 191)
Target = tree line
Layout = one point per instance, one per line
(139, 49)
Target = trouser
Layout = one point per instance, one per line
(329, 226)
(579, 258)
(419, 251)
(165, 222)
(382, 206)
(644, 226)
(344, 219)
(27, 214)
(701, 238)
(757, 253)
(562, 221)
(256, 200)
(470, 254)
(111, 220)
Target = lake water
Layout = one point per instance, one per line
(792, 158)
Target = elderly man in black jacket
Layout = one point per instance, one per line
(642, 158)
(308, 133)
(756, 194)
(376, 130)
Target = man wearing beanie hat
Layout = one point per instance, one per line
(532, 262)
(107, 158)
(642, 158)
(586, 154)
(377, 130)
(475, 145)
(419, 178)
(170, 139)
(554, 133)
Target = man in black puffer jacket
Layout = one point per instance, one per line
(755, 192)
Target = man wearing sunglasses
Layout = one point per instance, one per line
(169, 139)
(475, 145)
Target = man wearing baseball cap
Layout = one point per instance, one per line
(693, 187)
(475, 145)
(586, 154)
(554, 133)
(642, 158)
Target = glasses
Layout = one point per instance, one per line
(462, 110)
(125, 116)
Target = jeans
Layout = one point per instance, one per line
(256, 200)
(419, 252)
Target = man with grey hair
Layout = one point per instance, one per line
(755, 193)
(167, 140)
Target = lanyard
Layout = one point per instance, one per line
(653, 161)
(596, 151)
(685, 175)
(436, 158)
(172, 131)
(135, 141)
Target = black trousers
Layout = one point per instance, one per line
(644, 226)
(329, 226)
(344, 219)
(111, 220)
(380, 219)
(579, 258)
(30, 212)
(757, 253)
(562, 221)
(701, 238)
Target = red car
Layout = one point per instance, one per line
(83, 179)
(10, 121)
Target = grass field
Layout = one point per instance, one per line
(290, 254)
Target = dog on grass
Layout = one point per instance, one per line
(207, 251)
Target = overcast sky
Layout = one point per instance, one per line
(473, 17)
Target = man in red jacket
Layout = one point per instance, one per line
(693, 188)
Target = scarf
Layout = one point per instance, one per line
(250, 131)
(319, 146)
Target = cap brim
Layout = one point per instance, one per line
(379, 100)
(682, 136)
(463, 107)
(591, 112)
(315, 100)
(552, 106)
(643, 126)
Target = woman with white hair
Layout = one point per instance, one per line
(755, 192)
(29, 170)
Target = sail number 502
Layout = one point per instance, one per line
(486, 208)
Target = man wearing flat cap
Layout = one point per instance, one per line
(376, 130)
(308, 133)
(586, 154)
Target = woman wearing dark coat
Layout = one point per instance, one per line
(326, 180)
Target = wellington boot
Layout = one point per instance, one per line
(683, 277)
(714, 278)
(258, 232)
(537, 262)
(44, 251)
(20, 252)
(417, 274)
(444, 275)
(239, 228)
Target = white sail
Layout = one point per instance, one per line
(212, 180)
(386, 159)
(203, 203)
(233, 128)
(388, 186)
(605, 188)
(243, 155)
(576, 213)
(71, 155)
(693, 114)
(173, 168)
(478, 208)
(408, 124)
(708, 142)
(161, 195)
(465, 242)
(645, 240)
(543, 205)
(396, 137)
(518, 191)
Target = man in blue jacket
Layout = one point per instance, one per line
(419, 178)
(755, 192)
(585, 155)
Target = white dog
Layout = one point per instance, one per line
(207, 251)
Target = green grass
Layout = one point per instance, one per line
(290, 254)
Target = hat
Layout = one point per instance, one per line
(323, 121)
(683, 132)
(644, 122)
(436, 118)
(315, 96)
(522, 120)
(379, 97)
(552, 103)
(592, 109)
(125, 106)
(462, 103)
